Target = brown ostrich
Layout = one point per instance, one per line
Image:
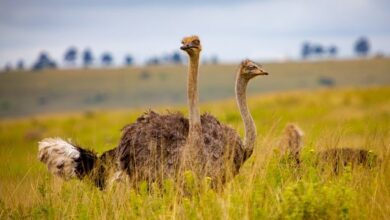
(291, 142)
(157, 146)
(337, 158)
(68, 160)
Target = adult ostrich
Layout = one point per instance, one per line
(158, 146)
(152, 148)
(150, 142)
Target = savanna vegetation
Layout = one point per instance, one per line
(267, 187)
(48, 91)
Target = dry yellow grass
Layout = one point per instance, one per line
(266, 188)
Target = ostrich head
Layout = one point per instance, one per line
(249, 69)
(191, 45)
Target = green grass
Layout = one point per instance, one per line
(266, 188)
(31, 93)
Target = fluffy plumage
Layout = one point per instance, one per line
(341, 157)
(67, 160)
(150, 149)
(59, 156)
(291, 143)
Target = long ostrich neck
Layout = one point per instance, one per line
(250, 127)
(192, 92)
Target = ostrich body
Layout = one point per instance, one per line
(153, 147)
(337, 158)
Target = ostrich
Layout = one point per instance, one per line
(291, 142)
(153, 146)
(156, 146)
(68, 160)
(336, 157)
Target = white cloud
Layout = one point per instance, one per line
(255, 29)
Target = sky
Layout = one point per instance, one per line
(231, 30)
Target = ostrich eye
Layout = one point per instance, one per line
(251, 67)
(196, 42)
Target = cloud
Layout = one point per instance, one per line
(255, 29)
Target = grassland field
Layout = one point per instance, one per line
(34, 93)
(353, 112)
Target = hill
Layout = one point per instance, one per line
(32, 93)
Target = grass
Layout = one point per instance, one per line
(32, 93)
(266, 188)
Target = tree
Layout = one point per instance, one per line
(87, 58)
(107, 59)
(318, 49)
(214, 59)
(332, 51)
(8, 67)
(362, 46)
(306, 50)
(176, 58)
(70, 56)
(20, 65)
(129, 60)
(44, 62)
(153, 61)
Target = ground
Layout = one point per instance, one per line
(266, 188)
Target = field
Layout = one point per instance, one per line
(32, 93)
(356, 116)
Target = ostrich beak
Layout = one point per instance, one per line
(187, 46)
(262, 73)
(184, 47)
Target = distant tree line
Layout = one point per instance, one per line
(317, 50)
(106, 59)
(172, 58)
(73, 57)
(361, 49)
(88, 59)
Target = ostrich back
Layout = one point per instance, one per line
(150, 148)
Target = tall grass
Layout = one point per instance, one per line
(268, 187)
